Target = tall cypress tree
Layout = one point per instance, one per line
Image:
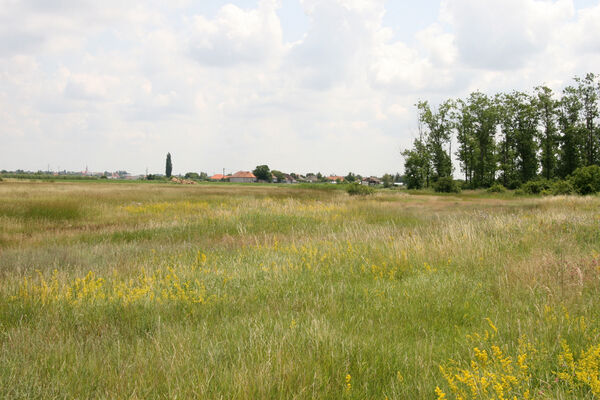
(169, 166)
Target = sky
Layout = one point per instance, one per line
(299, 85)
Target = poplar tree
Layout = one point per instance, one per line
(570, 157)
(169, 166)
(587, 90)
(547, 108)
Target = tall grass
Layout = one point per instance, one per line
(225, 291)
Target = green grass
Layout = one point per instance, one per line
(265, 291)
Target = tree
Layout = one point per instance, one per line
(278, 174)
(350, 177)
(438, 126)
(467, 145)
(507, 145)
(263, 173)
(571, 141)
(192, 175)
(388, 181)
(484, 118)
(417, 166)
(547, 108)
(588, 96)
(169, 166)
(519, 120)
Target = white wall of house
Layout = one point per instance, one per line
(242, 180)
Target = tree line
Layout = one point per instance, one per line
(509, 138)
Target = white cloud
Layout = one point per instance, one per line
(237, 36)
(503, 34)
(116, 86)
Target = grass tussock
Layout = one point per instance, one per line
(245, 292)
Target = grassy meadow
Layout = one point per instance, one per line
(271, 292)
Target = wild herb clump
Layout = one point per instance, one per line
(356, 189)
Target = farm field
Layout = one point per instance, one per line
(259, 292)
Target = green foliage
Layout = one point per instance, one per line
(536, 187)
(356, 189)
(571, 142)
(518, 118)
(278, 174)
(152, 177)
(263, 173)
(587, 90)
(438, 126)
(350, 177)
(549, 137)
(388, 181)
(508, 137)
(192, 175)
(496, 188)
(417, 166)
(586, 180)
(561, 187)
(169, 166)
(446, 185)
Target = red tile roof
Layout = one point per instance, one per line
(217, 177)
(243, 174)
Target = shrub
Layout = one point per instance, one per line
(535, 187)
(446, 185)
(513, 184)
(562, 187)
(355, 189)
(586, 180)
(496, 188)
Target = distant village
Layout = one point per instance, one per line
(191, 178)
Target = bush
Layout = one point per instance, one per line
(513, 184)
(496, 188)
(586, 180)
(536, 187)
(562, 187)
(355, 189)
(446, 185)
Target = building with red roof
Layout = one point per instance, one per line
(242, 177)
